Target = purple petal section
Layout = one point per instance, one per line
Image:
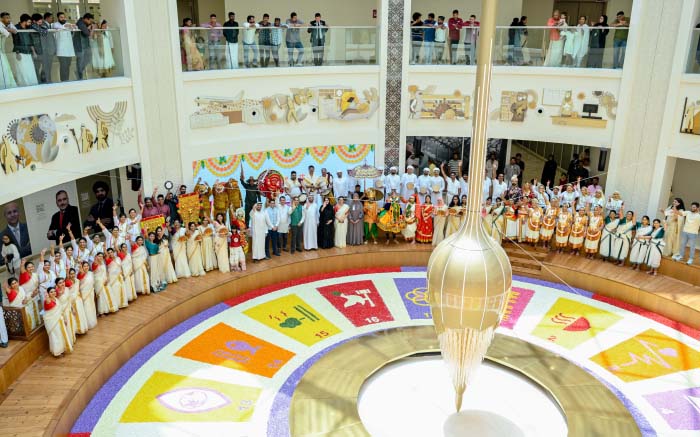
(414, 269)
(561, 287)
(278, 423)
(92, 413)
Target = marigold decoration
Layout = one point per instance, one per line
(353, 153)
(223, 165)
(255, 159)
(288, 158)
(320, 153)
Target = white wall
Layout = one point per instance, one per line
(685, 181)
(67, 105)
(16, 8)
(536, 126)
(335, 13)
(684, 145)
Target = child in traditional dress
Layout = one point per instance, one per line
(237, 257)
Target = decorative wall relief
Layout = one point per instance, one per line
(39, 138)
(324, 103)
(514, 105)
(35, 137)
(691, 117)
(585, 113)
(425, 104)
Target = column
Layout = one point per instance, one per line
(644, 95)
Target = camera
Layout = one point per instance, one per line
(540, 110)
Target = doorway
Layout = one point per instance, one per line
(575, 8)
(187, 9)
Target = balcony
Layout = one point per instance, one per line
(28, 58)
(228, 48)
(531, 46)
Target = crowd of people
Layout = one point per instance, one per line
(39, 39)
(580, 44)
(86, 276)
(217, 47)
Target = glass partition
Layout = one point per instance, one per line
(538, 46)
(267, 47)
(28, 58)
(693, 64)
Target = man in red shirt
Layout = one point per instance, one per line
(455, 25)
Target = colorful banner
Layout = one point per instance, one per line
(414, 294)
(293, 317)
(359, 301)
(188, 206)
(649, 354)
(320, 153)
(151, 223)
(518, 298)
(569, 323)
(225, 346)
(166, 397)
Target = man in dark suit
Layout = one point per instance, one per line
(103, 208)
(66, 214)
(81, 43)
(318, 29)
(18, 232)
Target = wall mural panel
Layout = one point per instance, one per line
(690, 123)
(565, 107)
(322, 103)
(426, 104)
(32, 140)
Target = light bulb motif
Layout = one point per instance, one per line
(469, 274)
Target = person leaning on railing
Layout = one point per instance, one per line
(293, 39)
(23, 47)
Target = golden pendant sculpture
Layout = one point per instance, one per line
(469, 274)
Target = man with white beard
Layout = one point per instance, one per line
(409, 182)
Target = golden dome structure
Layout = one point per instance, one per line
(469, 274)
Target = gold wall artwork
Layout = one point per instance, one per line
(690, 123)
(300, 104)
(426, 104)
(514, 105)
(37, 139)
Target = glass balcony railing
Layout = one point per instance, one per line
(266, 47)
(28, 58)
(693, 64)
(573, 47)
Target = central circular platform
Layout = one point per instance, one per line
(414, 397)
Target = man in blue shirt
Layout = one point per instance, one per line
(416, 37)
(272, 235)
(429, 38)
